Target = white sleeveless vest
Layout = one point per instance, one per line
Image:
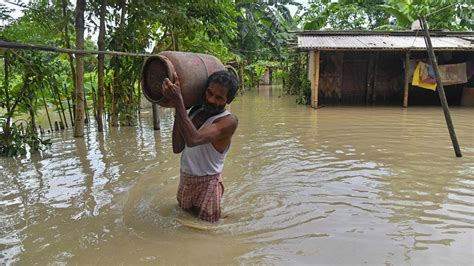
(203, 159)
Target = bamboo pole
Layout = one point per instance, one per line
(86, 108)
(94, 102)
(370, 74)
(440, 88)
(156, 116)
(241, 76)
(406, 81)
(79, 109)
(60, 105)
(68, 105)
(7, 95)
(315, 84)
(374, 86)
(46, 109)
(54, 94)
(100, 67)
(139, 96)
(25, 46)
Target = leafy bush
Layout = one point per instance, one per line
(15, 140)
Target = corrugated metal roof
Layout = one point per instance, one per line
(383, 42)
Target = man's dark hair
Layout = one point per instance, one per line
(226, 79)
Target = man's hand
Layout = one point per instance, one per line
(172, 90)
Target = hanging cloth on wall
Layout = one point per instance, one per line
(425, 75)
(453, 74)
(417, 81)
(470, 69)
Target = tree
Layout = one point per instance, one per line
(100, 67)
(79, 25)
(388, 14)
(263, 33)
(441, 14)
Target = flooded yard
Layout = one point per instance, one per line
(353, 185)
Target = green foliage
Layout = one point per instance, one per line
(441, 14)
(15, 140)
(257, 70)
(263, 34)
(389, 14)
(298, 83)
(343, 15)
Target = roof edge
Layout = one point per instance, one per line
(390, 33)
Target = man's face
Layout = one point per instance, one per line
(216, 98)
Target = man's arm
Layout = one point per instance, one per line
(177, 137)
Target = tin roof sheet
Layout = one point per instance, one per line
(383, 42)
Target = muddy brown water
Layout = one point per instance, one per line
(351, 185)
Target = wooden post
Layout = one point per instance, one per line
(440, 88)
(79, 110)
(94, 104)
(46, 109)
(86, 108)
(315, 83)
(139, 96)
(375, 77)
(370, 75)
(7, 96)
(406, 81)
(156, 116)
(270, 76)
(68, 105)
(241, 77)
(55, 91)
(100, 67)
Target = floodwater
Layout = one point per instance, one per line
(352, 185)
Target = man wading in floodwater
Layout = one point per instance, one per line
(204, 138)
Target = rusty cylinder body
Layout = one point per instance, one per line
(193, 71)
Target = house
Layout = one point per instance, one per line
(376, 68)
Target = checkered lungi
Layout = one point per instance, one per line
(201, 194)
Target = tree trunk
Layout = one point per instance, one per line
(139, 96)
(7, 95)
(33, 118)
(117, 83)
(270, 76)
(46, 109)
(79, 125)
(68, 105)
(86, 108)
(174, 39)
(242, 79)
(58, 94)
(100, 68)
(55, 98)
(67, 43)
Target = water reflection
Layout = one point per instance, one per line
(333, 185)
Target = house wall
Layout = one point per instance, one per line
(368, 77)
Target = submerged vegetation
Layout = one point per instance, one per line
(251, 35)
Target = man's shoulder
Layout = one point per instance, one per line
(229, 119)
